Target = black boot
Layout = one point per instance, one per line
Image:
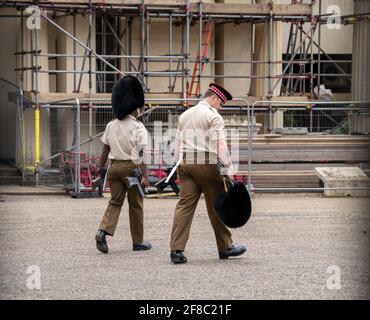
(178, 257)
(145, 245)
(101, 242)
(233, 251)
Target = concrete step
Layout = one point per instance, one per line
(6, 170)
(10, 180)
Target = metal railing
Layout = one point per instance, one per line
(278, 161)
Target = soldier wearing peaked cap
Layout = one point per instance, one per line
(200, 143)
(122, 139)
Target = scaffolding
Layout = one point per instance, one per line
(185, 14)
(182, 13)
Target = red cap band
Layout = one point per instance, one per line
(219, 93)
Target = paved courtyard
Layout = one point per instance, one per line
(291, 239)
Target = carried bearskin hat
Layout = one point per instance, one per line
(127, 96)
(234, 206)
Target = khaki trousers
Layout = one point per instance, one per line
(195, 179)
(118, 170)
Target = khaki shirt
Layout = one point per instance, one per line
(125, 137)
(199, 129)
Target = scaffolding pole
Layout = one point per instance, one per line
(270, 90)
(187, 49)
(90, 76)
(170, 40)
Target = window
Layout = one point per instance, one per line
(106, 44)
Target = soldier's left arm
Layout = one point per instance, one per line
(223, 154)
(104, 155)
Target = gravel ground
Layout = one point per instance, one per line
(291, 241)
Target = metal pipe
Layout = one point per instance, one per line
(78, 147)
(83, 62)
(364, 110)
(182, 62)
(253, 45)
(32, 62)
(318, 50)
(301, 50)
(142, 42)
(37, 111)
(170, 51)
(130, 39)
(126, 40)
(313, 24)
(90, 74)
(147, 42)
(163, 73)
(104, 50)
(21, 108)
(277, 103)
(270, 91)
(307, 189)
(187, 48)
(74, 55)
(200, 56)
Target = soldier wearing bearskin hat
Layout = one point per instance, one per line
(122, 138)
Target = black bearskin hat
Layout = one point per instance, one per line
(234, 206)
(127, 95)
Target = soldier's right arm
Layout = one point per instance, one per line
(176, 155)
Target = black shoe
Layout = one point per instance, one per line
(141, 246)
(178, 257)
(101, 242)
(233, 251)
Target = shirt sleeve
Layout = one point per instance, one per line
(217, 128)
(104, 138)
(141, 137)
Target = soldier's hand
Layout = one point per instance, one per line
(144, 182)
(102, 172)
(231, 172)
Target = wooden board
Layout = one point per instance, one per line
(208, 8)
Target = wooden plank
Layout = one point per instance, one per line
(110, 2)
(309, 139)
(252, 9)
(49, 97)
(208, 8)
(279, 173)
